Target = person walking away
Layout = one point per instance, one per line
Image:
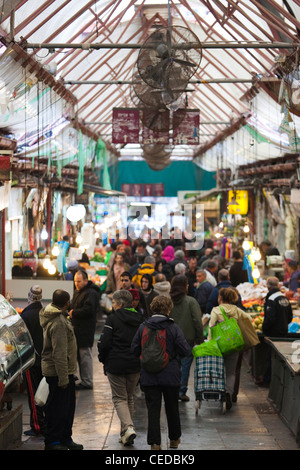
(223, 281)
(147, 294)
(227, 299)
(33, 376)
(162, 286)
(120, 365)
(85, 304)
(166, 382)
(59, 366)
(277, 316)
(186, 313)
(237, 274)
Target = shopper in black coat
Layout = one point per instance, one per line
(84, 308)
(120, 365)
(277, 316)
(33, 376)
(167, 382)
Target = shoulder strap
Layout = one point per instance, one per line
(223, 312)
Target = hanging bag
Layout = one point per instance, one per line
(227, 334)
(41, 395)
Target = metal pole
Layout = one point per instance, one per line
(191, 82)
(204, 45)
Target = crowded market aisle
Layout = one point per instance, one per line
(251, 424)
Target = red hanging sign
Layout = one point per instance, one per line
(125, 126)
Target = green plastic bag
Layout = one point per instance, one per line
(208, 348)
(228, 335)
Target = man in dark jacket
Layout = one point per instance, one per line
(277, 316)
(223, 281)
(33, 376)
(85, 304)
(120, 365)
(203, 290)
(166, 382)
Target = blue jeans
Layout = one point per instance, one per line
(186, 363)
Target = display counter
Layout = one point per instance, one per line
(18, 288)
(16, 346)
(285, 380)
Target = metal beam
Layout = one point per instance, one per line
(204, 45)
(191, 82)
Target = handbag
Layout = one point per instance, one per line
(227, 334)
(42, 393)
(248, 332)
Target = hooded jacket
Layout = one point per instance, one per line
(85, 304)
(163, 288)
(187, 314)
(59, 354)
(115, 342)
(176, 347)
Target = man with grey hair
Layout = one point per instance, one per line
(179, 257)
(203, 289)
(277, 316)
(120, 365)
(180, 268)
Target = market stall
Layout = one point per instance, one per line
(16, 356)
(285, 380)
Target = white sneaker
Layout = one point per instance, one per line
(129, 436)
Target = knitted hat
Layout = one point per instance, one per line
(135, 294)
(72, 265)
(35, 294)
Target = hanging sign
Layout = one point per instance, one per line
(241, 197)
(152, 137)
(187, 133)
(4, 167)
(125, 126)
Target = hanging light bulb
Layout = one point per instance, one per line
(255, 273)
(55, 250)
(256, 255)
(44, 234)
(78, 239)
(246, 245)
(52, 269)
(246, 228)
(46, 263)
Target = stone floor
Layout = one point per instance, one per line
(251, 424)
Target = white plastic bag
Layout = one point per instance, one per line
(41, 395)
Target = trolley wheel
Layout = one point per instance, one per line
(223, 407)
(197, 406)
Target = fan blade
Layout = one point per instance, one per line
(157, 68)
(184, 62)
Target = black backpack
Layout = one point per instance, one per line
(154, 356)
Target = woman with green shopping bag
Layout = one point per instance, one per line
(226, 310)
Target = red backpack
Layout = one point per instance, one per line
(154, 356)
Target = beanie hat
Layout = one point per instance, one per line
(35, 294)
(135, 294)
(72, 265)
